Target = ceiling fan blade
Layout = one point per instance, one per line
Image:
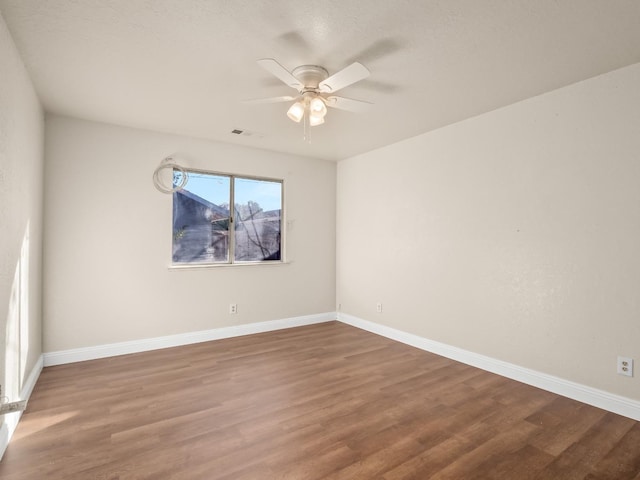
(277, 70)
(345, 77)
(348, 104)
(256, 101)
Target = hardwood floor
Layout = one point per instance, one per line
(326, 401)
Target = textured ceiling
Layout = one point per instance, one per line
(184, 66)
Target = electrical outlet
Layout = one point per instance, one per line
(625, 366)
(11, 407)
(379, 307)
(233, 308)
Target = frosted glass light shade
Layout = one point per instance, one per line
(317, 107)
(296, 111)
(315, 119)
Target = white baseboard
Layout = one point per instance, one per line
(592, 396)
(11, 419)
(135, 346)
(589, 395)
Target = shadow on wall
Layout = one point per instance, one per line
(16, 341)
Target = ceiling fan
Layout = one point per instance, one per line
(316, 90)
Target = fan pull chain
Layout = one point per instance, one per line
(307, 128)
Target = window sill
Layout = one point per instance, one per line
(226, 265)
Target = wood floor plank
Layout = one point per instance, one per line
(622, 462)
(580, 459)
(326, 401)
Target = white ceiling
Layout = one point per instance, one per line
(184, 66)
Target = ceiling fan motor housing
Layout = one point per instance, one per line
(310, 76)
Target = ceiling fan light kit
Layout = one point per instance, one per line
(311, 105)
(315, 90)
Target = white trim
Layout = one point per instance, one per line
(195, 266)
(592, 396)
(576, 391)
(11, 419)
(143, 345)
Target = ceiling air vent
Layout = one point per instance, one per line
(246, 133)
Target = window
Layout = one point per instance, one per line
(207, 231)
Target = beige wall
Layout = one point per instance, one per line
(108, 239)
(515, 234)
(21, 158)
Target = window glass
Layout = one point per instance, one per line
(201, 219)
(258, 206)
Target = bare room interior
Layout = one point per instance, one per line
(319, 240)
